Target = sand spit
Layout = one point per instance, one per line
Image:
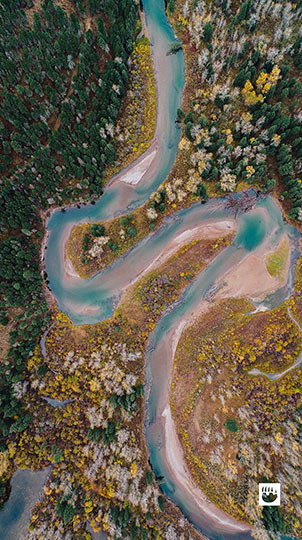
(205, 231)
(209, 230)
(68, 269)
(251, 279)
(175, 459)
(136, 171)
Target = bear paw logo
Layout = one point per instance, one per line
(269, 494)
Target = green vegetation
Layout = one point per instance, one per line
(171, 6)
(214, 396)
(273, 520)
(100, 464)
(244, 125)
(61, 89)
(97, 230)
(175, 47)
(276, 261)
(231, 425)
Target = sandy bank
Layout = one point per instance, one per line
(135, 172)
(205, 231)
(68, 270)
(175, 456)
(251, 279)
(175, 459)
(209, 230)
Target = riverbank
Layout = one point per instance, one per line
(252, 279)
(179, 470)
(156, 294)
(177, 190)
(136, 124)
(211, 229)
(211, 362)
(73, 353)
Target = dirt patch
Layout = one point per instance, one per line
(251, 279)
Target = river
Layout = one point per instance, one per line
(94, 299)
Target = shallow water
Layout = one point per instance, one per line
(89, 301)
(117, 199)
(252, 232)
(26, 489)
(264, 224)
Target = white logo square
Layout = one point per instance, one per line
(269, 494)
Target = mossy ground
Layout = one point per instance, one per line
(276, 262)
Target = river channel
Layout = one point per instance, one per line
(94, 299)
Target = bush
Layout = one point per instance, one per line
(189, 117)
(207, 32)
(149, 477)
(171, 6)
(131, 231)
(201, 191)
(174, 47)
(231, 425)
(113, 246)
(97, 230)
(273, 520)
(161, 502)
(126, 219)
(188, 128)
(68, 513)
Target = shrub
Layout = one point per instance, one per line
(231, 425)
(149, 477)
(180, 113)
(97, 230)
(161, 502)
(207, 32)
(131, 231)
(174, 47)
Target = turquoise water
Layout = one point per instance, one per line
(89, 301)
(254, 229)
(252, 232)
(263, 224)
(117, 199)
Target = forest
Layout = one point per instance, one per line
(64, 73)
(241, 116)
(63, 76)
(245, 121)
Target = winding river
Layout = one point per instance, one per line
(94, 299)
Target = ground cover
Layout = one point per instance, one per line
(238, 429)
(276, 261)
(96, 442)
(137, 119)
(295, 301)
(63, 79)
